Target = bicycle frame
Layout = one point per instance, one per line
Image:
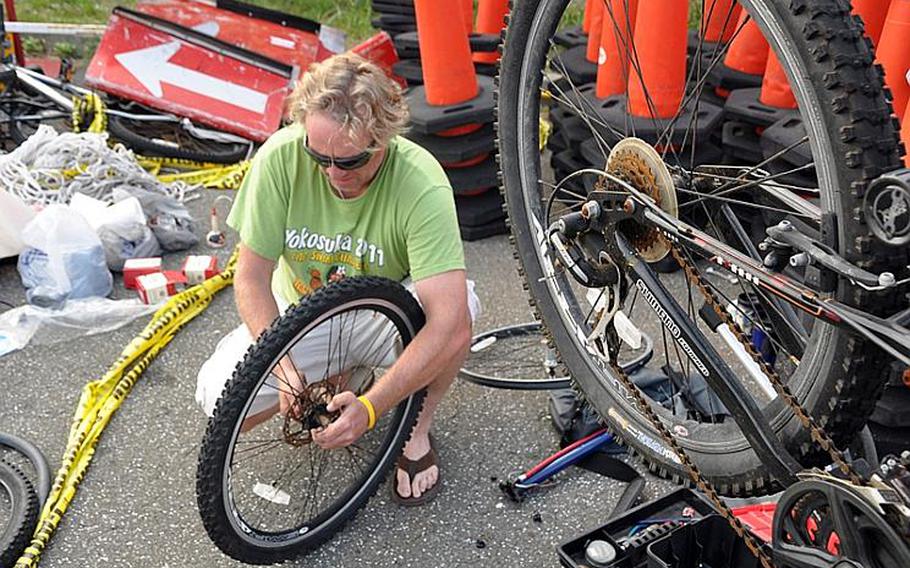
(890, 334)
(50, 88)
(600, 216)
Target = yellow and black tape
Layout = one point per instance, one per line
(100, 399)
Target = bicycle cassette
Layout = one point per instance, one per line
(639, 164)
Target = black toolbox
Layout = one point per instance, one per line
(679, 530)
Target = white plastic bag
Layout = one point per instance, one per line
(121, 227)
(65, 258)
(14, 215)
(74, 319)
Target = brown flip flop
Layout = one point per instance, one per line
(412, 468)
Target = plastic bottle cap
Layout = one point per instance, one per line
(600, 553)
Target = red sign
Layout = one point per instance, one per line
(281, 43)
(178, 70)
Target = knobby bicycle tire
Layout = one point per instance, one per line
(217, 506)
(134, 134)
(23, 514)
(842, 99)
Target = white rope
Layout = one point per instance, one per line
(34, 171)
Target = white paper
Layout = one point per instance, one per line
(272, 494)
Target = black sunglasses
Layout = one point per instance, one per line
(347, 163)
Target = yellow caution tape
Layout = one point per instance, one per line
(206, 174)
(546, 127)
(101, 398)
(89, 106)
(220, 177)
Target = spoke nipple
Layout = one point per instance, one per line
(886, 279)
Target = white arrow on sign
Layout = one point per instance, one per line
(151, 67)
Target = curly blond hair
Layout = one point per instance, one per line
(355, 93)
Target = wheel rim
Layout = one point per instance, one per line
(565, 294)
(514, 357)
(280, 489)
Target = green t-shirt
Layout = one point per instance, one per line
(404, 224)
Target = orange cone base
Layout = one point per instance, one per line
(785, 134)
(725, 79)
(571, 37)
(466, 163)
(476, 178)
(612, 112)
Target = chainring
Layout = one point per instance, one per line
(824, 519)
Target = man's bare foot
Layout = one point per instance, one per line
(424, 479)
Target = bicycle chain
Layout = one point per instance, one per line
(698, 479)
(807, 420)
(816, 431)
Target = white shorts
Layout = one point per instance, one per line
(372, 342)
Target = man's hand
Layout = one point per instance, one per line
(290, 387)
(347, 428)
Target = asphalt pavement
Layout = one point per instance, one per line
(137, 507)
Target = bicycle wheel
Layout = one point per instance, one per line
(22, 114)
(518, 357)
(18, 512)
(172, 139)
(845, 139)
(514, 357)
(266, 493)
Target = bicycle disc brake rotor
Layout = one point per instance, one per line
(312, 413)
(639, 164)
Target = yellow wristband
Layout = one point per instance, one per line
(370, 411)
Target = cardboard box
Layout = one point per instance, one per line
(199, 268)
(157, 287)
(133, 268)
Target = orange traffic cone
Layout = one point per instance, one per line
(718, 20)
(775, 88)
(660, 42)
(597, 17)
(615, 36)
(467, 7)
(491, 16)
(748, 53)
(586, 22)
(873, 13)
(894, 55)
(905, 135)
(448, 74)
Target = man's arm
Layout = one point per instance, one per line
(440, 343)
(253, 291)
(257, 308)
(444, 338)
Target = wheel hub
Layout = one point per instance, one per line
(312, 412)
(637, 163)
